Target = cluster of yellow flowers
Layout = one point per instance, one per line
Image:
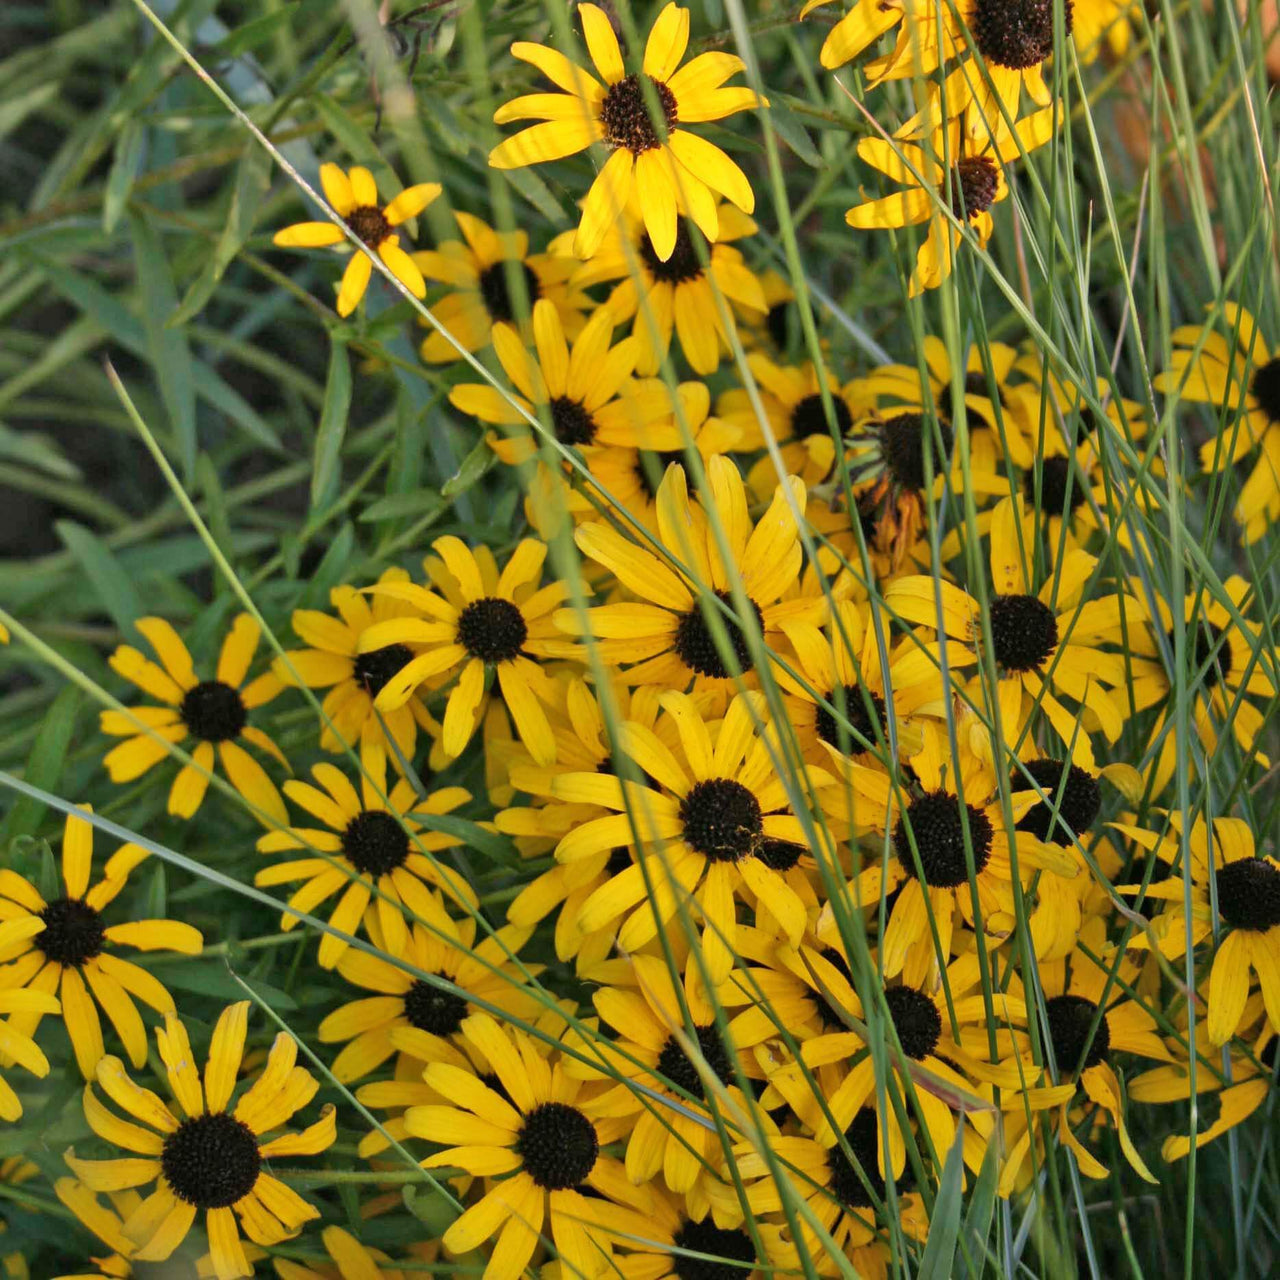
(809, 752)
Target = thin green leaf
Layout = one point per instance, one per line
(333, 423)
(114, 587)
(44, 764)
(939, 1258)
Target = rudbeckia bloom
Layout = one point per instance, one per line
(676, 292)
(584, 392)
(712, 828)
(1248, 896)
(354, 198)
(213, 712)
(1230, 666)
(663, 172)
(206, 1159)
(371, 844)
(1239, 375)
(410, 1016)
(479, 268)
(1044, 645)
(480, 625)
(977, 181)
(354, 679)
(539, 1135)
(69, 955)
(664, 636)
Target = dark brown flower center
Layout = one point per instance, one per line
(721, 819)
(779, 855)
(495, 290)
(856, 714)
(975, 384)
(651, 466)
(974, 183)
(370, 224)
(558, 1145)
(1016, 34)
(375, 843)
(624, 113)
(374, 669)
(1212, 652)
(1266, 388)
(809, 418)
(862, 1138)
(937, 822)
(1024, 632)
(916, 1020)
(213, 711)
(571, 422)
(682, 265)
(73, 932)
(903, 441)
(430, 1009)
(675, 1065)
(696, 646)
(729, 1251)
(1060, 489)
(1248, 894)
(1076, 800)
(211, 1161)
(1070, 1018)
(492, 629)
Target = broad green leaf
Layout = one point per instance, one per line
(419, 502)
(37, 451)
(944, 1227)
(168, 350)
(129, 148)
(792, 132)
(44, 764)
(114, 587)
(333, 423)
(17, 109)
(474, 465)
(982, 1203)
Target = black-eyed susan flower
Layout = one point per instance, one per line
(1231, 669)
(334, 661)
(482, 626)
(69, 954)
(675, 293)
(716, 827)
(1045, 646)
(1226, 867)
(975, 182)
(584, 392)
(1239, 375)
(215, 713)
(667, 169)
(372, 850)
(354, 197)
(857, 30)
(664, 637)
(479, 268)
(537, 1131)
(16, 1043)
(410, 1016)
(206, 1158)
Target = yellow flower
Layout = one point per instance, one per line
(480, 625)
(334, 662)
(535, 1131)
(664, 636)
(372, 845)
(1093, 21)
(977, 181)
(28, 1007)
(208, 1159)
(354, 198)
(479, 271)
(69, 956)
(669, 171)
(676, 291)
(1239, 375)
(585, 392)
(214, 712)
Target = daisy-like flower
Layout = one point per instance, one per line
(213, 712)
(679, 1141)
(858, 30)
(977, 181)
(660, 294)
(712, 828)
(1045, 645)
(931, 863)
(630, 474)
(372, 849)
(1231, 666)
(354, 197)
(1083, 1032)
(480, 268)
(664, 169)
(106, 1221)
(479, 625)
(792, 402)
(410, 1016)
(665, 637)
(207, 1159)
(1226, 867)
(585, 391)
(69, 955)
(1239, 375)
(354, 678)
(540, 1135)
